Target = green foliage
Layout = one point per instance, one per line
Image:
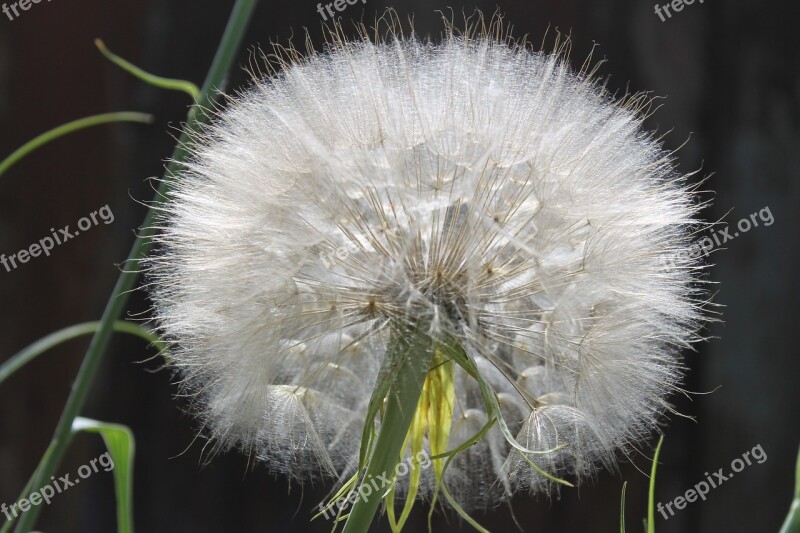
(28, 354)
(162, 83)
(651, 499)
(650, 523)
(622, 508)
(70, 127)
(215, 81)
(120, 443)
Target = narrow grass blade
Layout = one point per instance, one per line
(622, 508)
(651, 499)
(157, 81)
(52, 340)
(69, 127)
(121, 445)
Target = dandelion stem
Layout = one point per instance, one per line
(411, 352)
(229, 46)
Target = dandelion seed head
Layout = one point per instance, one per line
(508, 200)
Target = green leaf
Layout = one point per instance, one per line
(651, 501)
(69, 127)
(343, 491)
(52, 340)
(622, 508)
(543, 473)
(120, 443)
(162, 83)
(493, 406)
(792, 523)
(440, 486)
(469, 442)
(463, 514)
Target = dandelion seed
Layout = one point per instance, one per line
(486, 191)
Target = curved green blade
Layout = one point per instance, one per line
(69, 127)
(651, 499)
(622, 508)
(157, 81)
(52, 340)
(121, 445)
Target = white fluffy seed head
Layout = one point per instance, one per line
(511, 201)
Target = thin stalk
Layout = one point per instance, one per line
(27, 490)
(411, 349)
(215, 80)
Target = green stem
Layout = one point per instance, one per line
(411, 351)
(27, 490)
(229, 46)
(69, 127)
(52, 340)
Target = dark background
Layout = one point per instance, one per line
(729, 72)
